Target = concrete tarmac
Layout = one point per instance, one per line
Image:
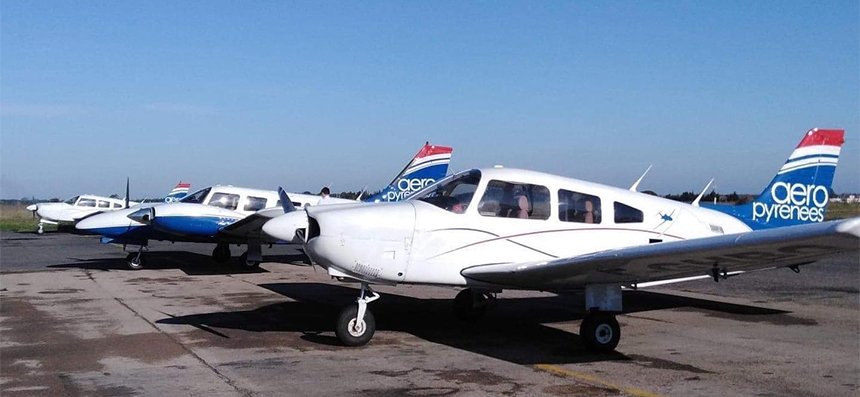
(75, 322)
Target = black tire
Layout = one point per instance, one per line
(221, 253)
(469, 306)
(134, 262)
(351, 337)
(600, 332)
(243, 261)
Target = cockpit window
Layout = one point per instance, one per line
(72, 200)
(224, 200)
(453, 193)
(86, 202)
(196, 197)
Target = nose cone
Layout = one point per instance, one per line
(368, 242)
(284, 227)
(32, 207)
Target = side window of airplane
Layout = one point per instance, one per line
(578, 207)
(72, 200)
(117, 205)
(627, 214)
(224, 200)
(515, 200)
(104, 204)
(86, 202)
(255, 203)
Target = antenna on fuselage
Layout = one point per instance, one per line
(636, 184)
(702, 194)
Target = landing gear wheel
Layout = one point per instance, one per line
(40, 230)
(352, 332)
(135, 261)
(470, 305)
(244, 261)
(600, 332)
(221, 253)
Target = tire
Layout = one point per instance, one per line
(350, 337)
(600, 332)
(221, 253)
(133, 262)
(243, 260)
(469, 306)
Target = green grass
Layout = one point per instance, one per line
(16, 218)
(842, 211)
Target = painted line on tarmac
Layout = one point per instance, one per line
(594, 380)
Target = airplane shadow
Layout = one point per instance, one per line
(192, 264)
(513, 331)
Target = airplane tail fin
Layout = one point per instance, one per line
(178, 192)
(429, 165)
(800, 191)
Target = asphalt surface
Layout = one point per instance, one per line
(74, 321)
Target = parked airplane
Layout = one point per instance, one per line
(494, 229)
(227, 215)
(79, 207)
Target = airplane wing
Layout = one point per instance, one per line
(779, 247)
(252, 225)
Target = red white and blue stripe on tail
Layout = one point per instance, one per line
(818, 148)
(178, 192)
(800, 191)
(429, 165)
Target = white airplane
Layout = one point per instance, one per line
(79, 207)
(497, 228)
(227, 215)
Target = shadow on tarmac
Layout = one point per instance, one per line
(513, 331)
(192, 264)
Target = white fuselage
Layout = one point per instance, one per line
(76, 208)
(417, 241)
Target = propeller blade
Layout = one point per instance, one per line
(126, 191)
(286, 203)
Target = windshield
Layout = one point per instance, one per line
(72, 200)
(196, 197)
(453, 193)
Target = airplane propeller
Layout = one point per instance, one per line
(126, 192)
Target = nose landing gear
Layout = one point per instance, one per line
(355, 324)
(136, 260)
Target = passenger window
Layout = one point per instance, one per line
(627, 214)
(255, 203)
(578, 207)
(515, 200)
(117, 205)
(104, 204)
(224, 200)
(85, 202)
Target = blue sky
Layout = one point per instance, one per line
(303, 94)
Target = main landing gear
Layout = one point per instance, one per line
(136, 260)
(470, 305)
(41, 228)
(355, 324)
(221, 253)
(251, 258)
(600, 332)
